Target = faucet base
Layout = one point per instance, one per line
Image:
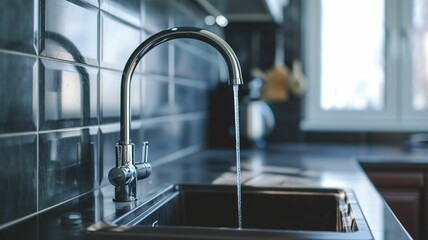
(126, 193)
(126, 173)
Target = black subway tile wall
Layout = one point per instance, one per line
(17, 26)
(69, 29)
(119, 39)
(155, 105)
(153, 15)
(19, 176)
(110, 96)
(67, 95)
(61, 63)
(66, 164)
(18, 93)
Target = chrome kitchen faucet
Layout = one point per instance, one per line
(126, 173)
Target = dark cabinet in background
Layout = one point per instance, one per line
(405, 190)
(406, 205)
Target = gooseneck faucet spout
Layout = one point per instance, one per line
(126, 173)
(235, 76)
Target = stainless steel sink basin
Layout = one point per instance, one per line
(210, 212)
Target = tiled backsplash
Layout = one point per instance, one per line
(60, 65)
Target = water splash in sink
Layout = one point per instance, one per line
(238, 153)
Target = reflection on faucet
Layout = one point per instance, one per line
(126, 173)
(85, 148)
(83, 73)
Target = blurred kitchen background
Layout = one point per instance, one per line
(331, 71)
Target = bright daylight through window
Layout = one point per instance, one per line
(367, 63)
(358, 82)
(420, 55)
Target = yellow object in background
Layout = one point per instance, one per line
(275, 84)
(279, 82)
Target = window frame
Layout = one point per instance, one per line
(398, 114)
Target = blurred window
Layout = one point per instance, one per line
(352, 61)
(367, 63)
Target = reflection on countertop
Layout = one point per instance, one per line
(319, 166)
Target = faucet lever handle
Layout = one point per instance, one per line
(145, 151)
(144, 169)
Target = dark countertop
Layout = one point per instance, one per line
(319, 166)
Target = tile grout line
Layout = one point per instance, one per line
(97, 163)
(36, 75)
(159, 119)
